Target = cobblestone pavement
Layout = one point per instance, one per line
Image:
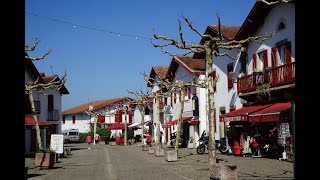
(130, 162)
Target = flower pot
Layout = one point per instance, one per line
(44, 160)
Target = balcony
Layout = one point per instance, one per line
(53, 115)
(276, 76)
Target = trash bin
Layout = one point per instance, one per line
(106, 139)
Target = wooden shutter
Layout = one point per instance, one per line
(213, 77)
(189, 92)
(130, 118)
(288, 52)
(274, 57)
(254, 61)
(101, 119)
(265, 58)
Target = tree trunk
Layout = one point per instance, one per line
(94, 128)
(212, 147)
(33, 111)
(158, 124)
(125, 128)
(180, 118)
(142, 124)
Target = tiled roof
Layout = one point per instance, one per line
(161, 71)
(96, 105)
(228, 32)
(254, 19)
(192, 63)
(48, 79)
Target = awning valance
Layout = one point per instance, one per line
(242, 113)
(176, 120)
(271, 113)
(115, 126)
(29, 123)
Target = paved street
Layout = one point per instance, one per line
(130, 162)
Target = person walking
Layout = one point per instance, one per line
(148, 140)
(96, 139)
(88, 140)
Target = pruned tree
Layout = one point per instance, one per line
(124, 108)
(142, 100)
(92, 112)
(39, 86)
(179, 86)
(210, 47)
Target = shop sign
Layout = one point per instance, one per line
(235, 118)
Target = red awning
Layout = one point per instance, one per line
(194, 121)
(176, 120)
(271, 113)
(115, 126)
(30, 122)
(242, 113)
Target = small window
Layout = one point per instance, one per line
(282, 24)
(73, 119)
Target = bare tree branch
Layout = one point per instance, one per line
(276, 2)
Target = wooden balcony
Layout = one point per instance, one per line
(276, 76)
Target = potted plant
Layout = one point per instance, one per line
(45, 158)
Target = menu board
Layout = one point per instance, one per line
(283, 133)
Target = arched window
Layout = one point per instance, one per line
(282, 24)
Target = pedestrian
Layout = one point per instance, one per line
(161, 133)
(88, 140)
(148, 140)
(96, 139)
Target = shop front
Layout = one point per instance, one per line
(260, 130)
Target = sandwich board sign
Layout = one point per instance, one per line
(56, 143)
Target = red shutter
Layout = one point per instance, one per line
(189, 92)
(274, 57)
(288, 52)
(171, 99)
(214, 120)
(130, 118)
(101, 119)
(254, 61)
(118, 117)
(265, 58)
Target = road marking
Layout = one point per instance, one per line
(109, 171)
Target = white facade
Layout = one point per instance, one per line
(43, 116)
(81, 121)
(283, 12)
(224, 97)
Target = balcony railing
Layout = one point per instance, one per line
(53, 115)
(276, 76)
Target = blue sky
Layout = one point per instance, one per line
(104, 45)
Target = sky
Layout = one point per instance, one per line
(104, 46)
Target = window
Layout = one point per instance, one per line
(243, 62)
(50, 102)
(73, 119)
(282, 25)
(230, 69)
(281, 54)
(63, 119)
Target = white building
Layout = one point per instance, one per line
(77, 118)
(48, 109)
